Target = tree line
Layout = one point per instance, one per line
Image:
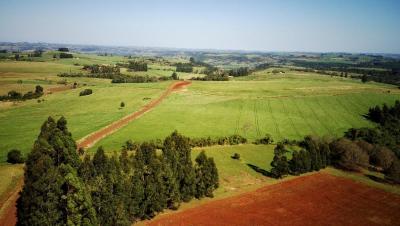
(17, 96)
(374, 148)
(61, 189)
(137, 66)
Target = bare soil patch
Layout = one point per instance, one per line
(318, 199)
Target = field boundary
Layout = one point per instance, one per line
(91, 139)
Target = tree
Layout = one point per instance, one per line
(206, 176)
(39, 90)
(79, 209)
(236, 156)
(393, 172)
(122, 104)
(42, 200)
(174, 76)
(280, 165)
(177, 152)
(364, 78)
(348, 155)
(14, 156)
(85, 92)
(384, 157)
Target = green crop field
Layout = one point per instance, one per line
(286, 106)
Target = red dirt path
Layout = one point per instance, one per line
(319, 199)
(9, 217)
(93, 138)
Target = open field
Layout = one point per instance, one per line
(21, 121)
(318, 199)
(11, 182)
(286, 106)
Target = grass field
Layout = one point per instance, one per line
(20, 122)
(286, 106)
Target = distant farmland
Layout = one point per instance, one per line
(286, 106)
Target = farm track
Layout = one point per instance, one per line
(9, 208)
(93, 138)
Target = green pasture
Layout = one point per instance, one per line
(20, 124)
(289, 107)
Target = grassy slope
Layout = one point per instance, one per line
(286, 106)
(20, 122)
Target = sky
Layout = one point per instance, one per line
(368, 26)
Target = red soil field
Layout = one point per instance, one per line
(318, 199)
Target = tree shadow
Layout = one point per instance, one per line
(259, 170)
(377, 179)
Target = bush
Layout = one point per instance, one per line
(81, 151)
(346, 154)
(265, 140)
(66, 55)
(85, 92)
(236, 156)
(122, 104)
(384, 157)
(14, 156)
(393, 172)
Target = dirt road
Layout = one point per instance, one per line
(9, 217)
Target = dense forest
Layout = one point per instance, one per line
(61, 189)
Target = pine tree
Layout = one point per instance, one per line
(177, 151)
(280, 165)
(42, 200)
(77, 201)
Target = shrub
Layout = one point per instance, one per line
(122, 104)
(348, 155)
(236, 156)
(85, 92)
(384, 157)
(66, 55)
(393, 172)
(267, 139)
(14, 156)
(81, 151)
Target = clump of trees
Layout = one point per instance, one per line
(102, 69)
(53, 194)
(267, 139)
(137, 66)
(212, 77)
(386, 133)
(16, 96)
(241, 71)
(14, 156)
(61, 189)
(63, 49)
(85, 92)
(133, 79)
(184, 67)
(227, 140)
(66, 56)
